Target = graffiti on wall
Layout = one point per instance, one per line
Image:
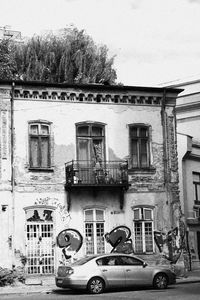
(119, 239)
(64, 214)
(70, 240)
(171, 243)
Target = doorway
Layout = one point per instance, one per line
(40, 250)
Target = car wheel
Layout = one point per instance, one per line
(96, 285)
(160, 281)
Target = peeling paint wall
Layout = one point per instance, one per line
(155, 187)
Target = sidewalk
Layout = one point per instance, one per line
(48, 285)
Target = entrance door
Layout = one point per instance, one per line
(39, 242)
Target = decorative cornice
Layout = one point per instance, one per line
(75, 96)
(91, 93)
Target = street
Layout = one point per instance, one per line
(177, 292)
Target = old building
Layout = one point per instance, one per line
(86, 169)
(188, 122)
(7, 33)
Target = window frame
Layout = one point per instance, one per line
(196, 185)
(94, 222)
(40, 136)
(90, 138)
(143, 221)
(139, 138)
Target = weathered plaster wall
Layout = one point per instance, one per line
(47, 188)
(5, 181)
(64, 116)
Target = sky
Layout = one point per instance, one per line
(155, 41)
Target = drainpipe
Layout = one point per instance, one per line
(165, 158)
(164, 136)
(12, 174)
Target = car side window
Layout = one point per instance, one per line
(107, 261)
(130, 261)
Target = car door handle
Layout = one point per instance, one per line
(104, 270)
(128, 270)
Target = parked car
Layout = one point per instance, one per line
(99, 272)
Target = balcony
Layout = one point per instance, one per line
(81, 173)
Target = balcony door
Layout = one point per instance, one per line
(90, 150)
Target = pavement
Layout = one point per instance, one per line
(47, 285)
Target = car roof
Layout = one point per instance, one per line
(115, 254)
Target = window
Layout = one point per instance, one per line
(196, 185)
(139, 146)
(108, 261)
(39, 145)
(94, 231)
(143, 230)
(130, 261)
(90, 142)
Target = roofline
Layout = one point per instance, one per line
(183, 83)
(91, 86)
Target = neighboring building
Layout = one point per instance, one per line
(189, 170)
(85, 169)
(7, 33)
(188, 124)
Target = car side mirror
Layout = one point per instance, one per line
(144, 264)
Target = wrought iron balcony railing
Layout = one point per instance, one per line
(104, 173)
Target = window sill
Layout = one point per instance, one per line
(41, 169)
(149, 170)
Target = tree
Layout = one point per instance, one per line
(8, 68)
(71, 57)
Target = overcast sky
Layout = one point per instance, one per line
(155, 41)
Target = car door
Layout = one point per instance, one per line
(113, 273)
(135, 271)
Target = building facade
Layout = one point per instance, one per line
(7, 33)
(188, 122)
(86, 169)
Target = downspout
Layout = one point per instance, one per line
(164, 136)
(12, 174)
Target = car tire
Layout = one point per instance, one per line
(96, 285)
(160, 281)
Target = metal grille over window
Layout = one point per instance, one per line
(39, 241)
(94, 231)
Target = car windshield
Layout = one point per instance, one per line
(83, 260)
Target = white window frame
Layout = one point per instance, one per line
(141, 220)
(94, 221)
